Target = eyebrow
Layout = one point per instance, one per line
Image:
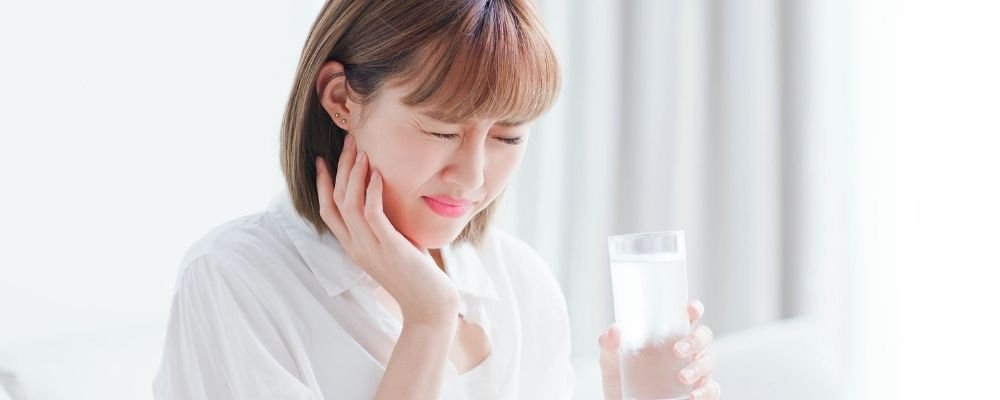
(444, 117)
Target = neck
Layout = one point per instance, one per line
(436, 255)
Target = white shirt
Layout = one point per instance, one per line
(265, 308)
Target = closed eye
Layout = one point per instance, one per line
(443, 135)
(511, 141)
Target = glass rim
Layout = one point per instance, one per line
(646, 234)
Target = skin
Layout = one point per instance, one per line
(374, 206)
(474, 165)
(700, 368)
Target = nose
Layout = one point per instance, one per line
(467, 169)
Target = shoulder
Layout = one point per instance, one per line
(229, 237)
(521, 260)
(235, 249)
(531, 276)
(544, 318)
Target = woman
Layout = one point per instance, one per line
(377, 274)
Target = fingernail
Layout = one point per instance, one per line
(682, 347)
(701, 307)
(361, 157)
(349, 141)
(698, 394)
(688, 374)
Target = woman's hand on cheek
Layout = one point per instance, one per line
(351, 206)
(700, 367)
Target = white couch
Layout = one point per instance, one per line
(785, 360)
(793, 359)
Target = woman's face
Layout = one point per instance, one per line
(472, 165)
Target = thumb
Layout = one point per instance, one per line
(610, 368)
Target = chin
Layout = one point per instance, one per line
(435, 238)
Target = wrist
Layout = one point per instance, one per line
(441, 327)
(446, 317)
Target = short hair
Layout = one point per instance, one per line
(463, 58)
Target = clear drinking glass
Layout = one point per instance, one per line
(649, 285)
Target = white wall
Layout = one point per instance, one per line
(929, 154)
(128, 130)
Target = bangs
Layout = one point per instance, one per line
(495, 63)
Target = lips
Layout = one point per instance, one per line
(451, 201)
(453, 209)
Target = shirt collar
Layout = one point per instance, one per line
(465, 267)
(336, 272)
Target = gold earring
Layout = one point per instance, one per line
(343, 121)
(336, 115)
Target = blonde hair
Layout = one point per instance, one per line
(464, 59)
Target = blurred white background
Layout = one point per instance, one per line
(835, 165)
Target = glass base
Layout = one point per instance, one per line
(671, 398)
(685, 397)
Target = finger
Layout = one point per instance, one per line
(347, 157)
(703, 381)
(374, 213)
(327, 207)
(711, 391)
(700, 337)
(696, 310)
(697, 369)
(611, 379)
(356, 182)
(610, 341)
(354, 200)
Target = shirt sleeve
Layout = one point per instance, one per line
(221, 342)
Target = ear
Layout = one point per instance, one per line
(331, 87)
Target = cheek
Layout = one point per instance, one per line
(499, 175)
(394, 204)
(402, 177)
(503, 168)
(401, 167)
(400, 194)
(404, 159)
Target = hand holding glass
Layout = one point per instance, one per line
(649, 284)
